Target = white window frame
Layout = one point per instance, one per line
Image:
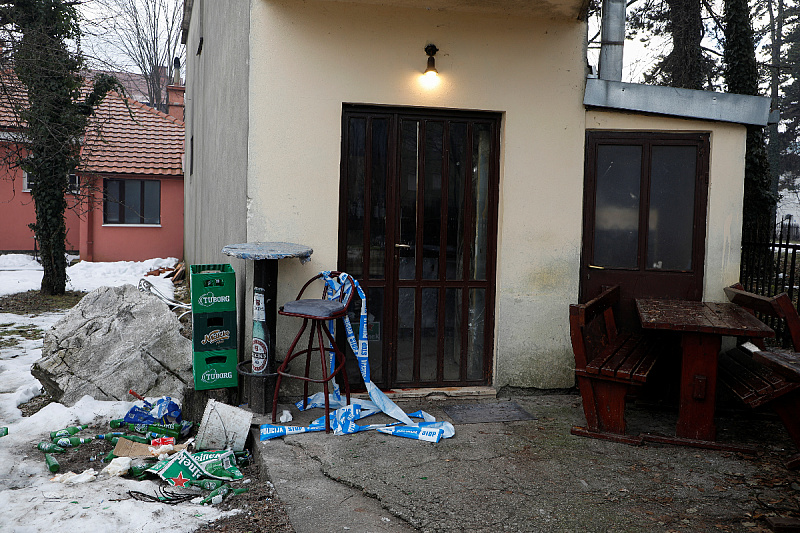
(74, 183)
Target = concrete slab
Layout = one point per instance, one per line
(533, 475)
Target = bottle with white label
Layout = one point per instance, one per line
(260, 358)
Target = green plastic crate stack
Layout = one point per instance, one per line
(214, 343)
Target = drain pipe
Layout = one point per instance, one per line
(612, 37)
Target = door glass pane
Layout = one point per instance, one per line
(457, 168)
(407, 210)
(429, 338)
(356, 148)
(432, 218)
(452, 335)
(616, 225)
(671, 217)
(375, 332)
(481, 166)
(152, 202)
(377, 223)
(405, 334)
(133, 201)
(475, 335)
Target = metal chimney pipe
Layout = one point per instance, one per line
(612, 38)
(176, 72)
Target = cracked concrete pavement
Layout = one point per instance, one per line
(532, 475)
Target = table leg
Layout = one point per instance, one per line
(265, 275)
(698, 386)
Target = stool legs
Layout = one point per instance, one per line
(317, 329)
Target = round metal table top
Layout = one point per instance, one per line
(268, 250)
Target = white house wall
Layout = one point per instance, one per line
(308, 58)
(725, 188)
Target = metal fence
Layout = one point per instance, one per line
(770, 266)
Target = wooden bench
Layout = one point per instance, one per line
(608, 364)
(755, 383)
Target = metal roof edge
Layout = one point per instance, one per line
(671, 101)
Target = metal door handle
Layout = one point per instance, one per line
(403, 246)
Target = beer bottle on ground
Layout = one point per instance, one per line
(67, 432)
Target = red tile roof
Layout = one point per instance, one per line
(132, 139)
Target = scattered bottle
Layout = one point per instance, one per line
(49, 447)
(110, 457)
(139, 468)
(71, 442)
(109, 436)
(216, 496)
(3, 431)
(51, 462)
(68, 431)
(207, 484)
(137, 438)
(169, 430)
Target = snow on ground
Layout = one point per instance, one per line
(21, 273)
(29, 501)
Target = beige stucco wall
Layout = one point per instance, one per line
(725, 188)
(307, 58)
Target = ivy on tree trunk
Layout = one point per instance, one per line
(47, 63)
(741, 76)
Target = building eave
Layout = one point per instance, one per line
(671, 101)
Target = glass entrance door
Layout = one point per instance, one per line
(418, 230)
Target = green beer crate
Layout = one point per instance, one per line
(214, 331)
(215, 369)
(214, 326)
(213, 288)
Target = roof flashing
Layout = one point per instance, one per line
(672, 101)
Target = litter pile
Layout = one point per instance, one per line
(152, 441)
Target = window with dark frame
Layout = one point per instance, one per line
(131, 201)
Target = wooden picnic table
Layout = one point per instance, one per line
(701, 326)
(783, 363)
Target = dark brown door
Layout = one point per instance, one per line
(418, 229)
(644, 216)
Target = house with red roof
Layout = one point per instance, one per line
(127, 201)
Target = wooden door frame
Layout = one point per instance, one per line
(647, 139)
(390, 274)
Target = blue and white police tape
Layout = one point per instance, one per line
(344, 417)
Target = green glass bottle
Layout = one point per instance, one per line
(137, 438)
(221, 491)
(70, 442)
(52, 464)
(117, 423)
(67, 432)
(207, 484)
(49, 447)
(110, 457)
(3, 431)
(109, 436)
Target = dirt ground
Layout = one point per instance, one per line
(261, 511)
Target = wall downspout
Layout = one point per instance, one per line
(612, 38)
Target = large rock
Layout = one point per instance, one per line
(115, 339)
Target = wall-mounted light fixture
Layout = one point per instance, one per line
(431, 70)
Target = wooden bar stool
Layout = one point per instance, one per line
(318, 311)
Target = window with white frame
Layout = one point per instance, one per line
(131, 201)
(72, 188)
